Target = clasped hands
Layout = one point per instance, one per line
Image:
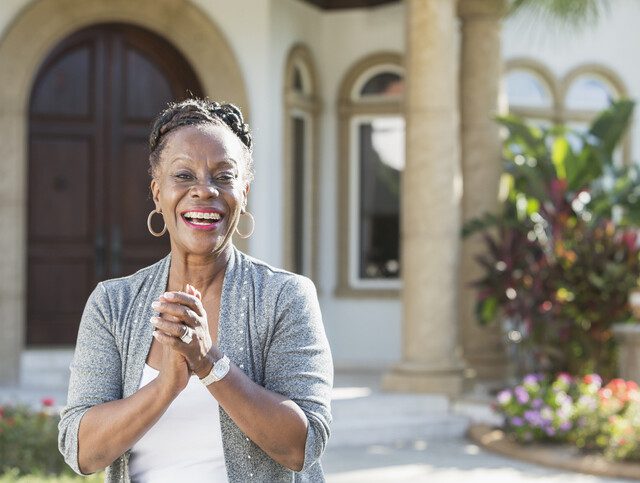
(178, 311)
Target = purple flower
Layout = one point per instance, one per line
(537, 403)
(522, 396)
(530, 380)
(533, 418)
(517, 421)
(565, 426)
(550, 431)
(504, 397)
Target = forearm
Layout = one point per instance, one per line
(272, 421)
(109, 429)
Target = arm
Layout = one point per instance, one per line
(289, 417)
(96, 426)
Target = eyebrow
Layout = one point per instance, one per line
(228, 161)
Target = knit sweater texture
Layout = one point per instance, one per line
(270, 326)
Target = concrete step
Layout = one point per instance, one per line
(45, 368)
(381, 418)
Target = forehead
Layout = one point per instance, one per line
(203, 142)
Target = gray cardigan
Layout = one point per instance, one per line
(270, 326)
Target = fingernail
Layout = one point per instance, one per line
(168, 295)
(155, 334)
(155, 305)
(154, 320)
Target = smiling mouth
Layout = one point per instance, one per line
(200, 218)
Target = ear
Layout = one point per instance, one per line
(245, 195)
(155, 192)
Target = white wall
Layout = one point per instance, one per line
(612, 43)
(365, 332)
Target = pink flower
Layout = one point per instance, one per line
(48, 402)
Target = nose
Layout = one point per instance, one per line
(204, 190)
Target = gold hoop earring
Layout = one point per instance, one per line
(155, 233)
(253, 225)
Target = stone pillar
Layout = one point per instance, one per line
(431, 193)
(480, 69)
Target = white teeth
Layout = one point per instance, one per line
(202, 216)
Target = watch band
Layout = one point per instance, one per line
(218, 371)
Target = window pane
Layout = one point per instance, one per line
(527, 90)
(384, 84)
(299, 203)
(589, 93)
(381, 145)
(298, 83)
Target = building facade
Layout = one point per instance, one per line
(374, 141)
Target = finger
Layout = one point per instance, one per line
(181, 312)
(168, 341)
(190, 289)
(170, 328)
(186, 299)
(171, 318)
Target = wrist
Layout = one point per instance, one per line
(207, 362)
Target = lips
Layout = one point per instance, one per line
(202, 219)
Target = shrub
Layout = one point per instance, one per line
(561, 254)
(29, 441)
(577, 410)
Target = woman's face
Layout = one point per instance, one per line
(199, 185)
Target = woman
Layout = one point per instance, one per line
(208, 365)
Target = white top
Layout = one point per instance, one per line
(185, 444)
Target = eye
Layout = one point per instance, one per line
(227, 176)
(183, 176)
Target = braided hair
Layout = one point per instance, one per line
(196, 111)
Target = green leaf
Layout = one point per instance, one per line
(487, 310)
(610, 126)
(559, 153)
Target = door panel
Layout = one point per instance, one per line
(92, 105)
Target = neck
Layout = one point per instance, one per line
(201, 271)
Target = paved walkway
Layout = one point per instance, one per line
(453, 461)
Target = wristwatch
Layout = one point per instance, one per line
(218, 371)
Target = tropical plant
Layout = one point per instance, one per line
(562, 254)
(572, 13)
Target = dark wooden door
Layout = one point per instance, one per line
(91, 107)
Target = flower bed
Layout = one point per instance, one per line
(29, 445)
(580, 411)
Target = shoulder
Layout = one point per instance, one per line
(142, 276)
(124, 289)
(275, 282)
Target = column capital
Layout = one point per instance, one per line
(481, 8)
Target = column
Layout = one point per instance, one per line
(480, 69)
(431, 196)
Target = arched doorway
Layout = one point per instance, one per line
(90, 109)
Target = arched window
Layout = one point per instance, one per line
(372, 157)
(586, 91)
(531, 92)
(534, 93)
(301, 108)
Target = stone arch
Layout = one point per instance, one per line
(23, 47)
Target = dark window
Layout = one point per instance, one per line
(299, 183)
(298, 84)
(384, 84)
(381, 161)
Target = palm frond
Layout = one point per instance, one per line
(576, 14)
